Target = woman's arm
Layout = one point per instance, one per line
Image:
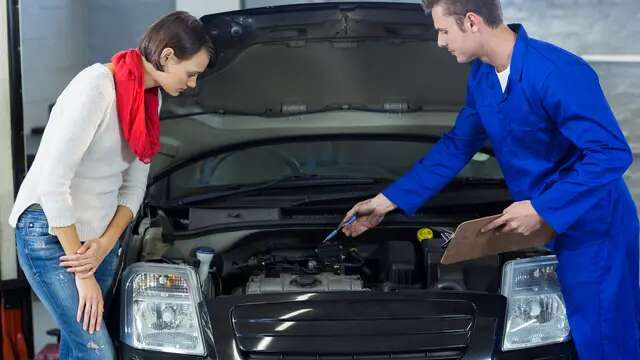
(68, 237)
(86, 259)
(118, 224)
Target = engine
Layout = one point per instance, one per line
(295, 262)
(328, 268)
(332, 266)
(287, 282)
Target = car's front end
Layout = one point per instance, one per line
(407, 324)
(310, 109)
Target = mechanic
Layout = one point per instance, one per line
(562, 154)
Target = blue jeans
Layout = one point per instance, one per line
(38, 254)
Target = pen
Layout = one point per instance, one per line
(335, 232)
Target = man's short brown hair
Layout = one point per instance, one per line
(489, 10)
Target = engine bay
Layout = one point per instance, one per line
(296, 260)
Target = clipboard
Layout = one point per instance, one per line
(469, 243)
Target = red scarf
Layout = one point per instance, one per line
(137, 107)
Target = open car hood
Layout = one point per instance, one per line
(314, 69)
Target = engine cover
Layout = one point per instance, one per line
(303, 283)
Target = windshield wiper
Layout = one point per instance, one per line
(294, 181)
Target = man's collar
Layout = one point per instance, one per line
(519, 50)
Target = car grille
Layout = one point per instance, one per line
(360, 329)
(443, 355)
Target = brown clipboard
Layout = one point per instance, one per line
(469, 242)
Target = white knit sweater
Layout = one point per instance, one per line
(84, 168)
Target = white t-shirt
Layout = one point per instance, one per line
(84, 168)
(504, 77)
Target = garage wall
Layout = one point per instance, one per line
(53, 40)
(114, 25)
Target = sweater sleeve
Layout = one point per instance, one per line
(72, 125)
(133, 186)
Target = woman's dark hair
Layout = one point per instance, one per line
(180, 31)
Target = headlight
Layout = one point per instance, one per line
(536, 314)
(160, 309)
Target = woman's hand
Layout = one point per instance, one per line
(87, 259)
(90, 303)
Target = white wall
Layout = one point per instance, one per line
(116, 25)
(199, 8)
(53, 39)
(7, 242)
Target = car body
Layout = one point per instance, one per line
(309, 109)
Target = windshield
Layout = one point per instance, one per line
(379, 159)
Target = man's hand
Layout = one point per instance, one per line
(88, 257)
(520, 218)
(370, 213)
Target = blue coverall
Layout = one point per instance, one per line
(559, 145)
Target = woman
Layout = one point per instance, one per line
(89, 176)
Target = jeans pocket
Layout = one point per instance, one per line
(36, 229)
(33, 223)
(32, 230)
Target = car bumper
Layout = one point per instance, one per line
(363, 326)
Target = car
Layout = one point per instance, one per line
(309, 109)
